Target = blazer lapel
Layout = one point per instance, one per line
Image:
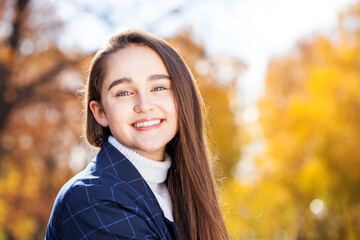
(116, 164)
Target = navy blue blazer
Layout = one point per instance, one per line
(109, 199)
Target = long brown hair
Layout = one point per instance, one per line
(190, 179)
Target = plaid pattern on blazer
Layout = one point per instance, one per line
(109, 199)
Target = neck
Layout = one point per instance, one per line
(156, 156)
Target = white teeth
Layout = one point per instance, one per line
(146, 124)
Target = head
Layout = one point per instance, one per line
(185, 91)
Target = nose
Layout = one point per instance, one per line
(143, 103)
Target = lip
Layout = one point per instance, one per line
(147, 128)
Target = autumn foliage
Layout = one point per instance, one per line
(308, 179)
(39, 118)
(307, 176)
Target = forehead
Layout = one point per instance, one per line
(133, 61)
(135, 55)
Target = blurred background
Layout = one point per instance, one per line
(281, 80)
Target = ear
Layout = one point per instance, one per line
(98, 113)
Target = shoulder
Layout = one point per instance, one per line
(93, 205)
(92, 186)
(107, 200)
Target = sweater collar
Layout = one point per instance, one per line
(152, 171)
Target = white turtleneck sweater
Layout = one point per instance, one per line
(153, 172)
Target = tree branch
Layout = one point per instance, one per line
(19, 19)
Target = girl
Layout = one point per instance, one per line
(152, 177)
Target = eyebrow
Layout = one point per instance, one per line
(158, 76)
(119, 81)
(152, 77)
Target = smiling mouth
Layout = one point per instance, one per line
(147, 123)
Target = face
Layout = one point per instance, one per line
(137, 101)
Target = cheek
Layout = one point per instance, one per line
(120, 108)
(116, 116)
(168, 104)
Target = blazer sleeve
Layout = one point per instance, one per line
(101, 212)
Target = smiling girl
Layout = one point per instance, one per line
(152, 177)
